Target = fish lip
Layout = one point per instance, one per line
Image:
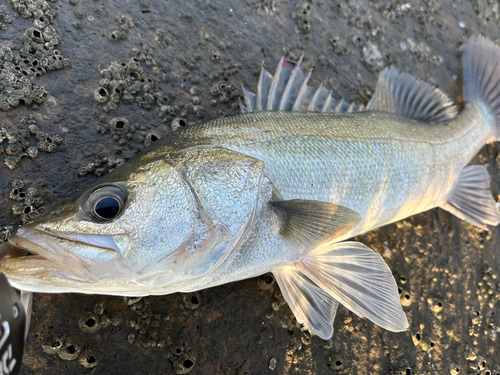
(43, 243)
(24, 239)
(100, 241)
(21, 240)
(9, 250)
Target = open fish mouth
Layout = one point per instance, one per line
(52, 264)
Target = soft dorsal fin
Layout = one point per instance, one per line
(403, 94)
(288, 91)
(307, 224)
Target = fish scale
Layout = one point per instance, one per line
(355, 160)
(277, 190)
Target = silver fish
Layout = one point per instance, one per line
(277, 189)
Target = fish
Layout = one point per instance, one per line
(280, 188)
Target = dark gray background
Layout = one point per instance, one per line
(446, 269)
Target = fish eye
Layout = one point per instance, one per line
(106, 203)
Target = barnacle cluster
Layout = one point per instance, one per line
(130, 83)
(28, 203)
(5, 18)
(140, 80)
(183, 359)
(223, 92)
(303, 15)
(146, 323)
(225, 70)
(100, 165)
(37, 56)
(17, 142)
(92, 321)
(124, 24)
(483, 320)
(123, 131)
(72, 347)
(69, 349)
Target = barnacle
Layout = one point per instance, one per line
(178, 122)
(150, 138)
(89, 323)
(120, 126)
(87, 359)
(70, 350)
(54, 345)
(191, 300)
(184, 363)
(266, 281)
(37, 56)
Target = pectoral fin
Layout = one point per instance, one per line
(470, 199)
(307, 224)
(348, 273)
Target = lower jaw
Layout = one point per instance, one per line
(9, 250)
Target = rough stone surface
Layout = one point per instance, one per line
(165, 64)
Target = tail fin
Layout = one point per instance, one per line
(481, 72)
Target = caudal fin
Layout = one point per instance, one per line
(481, 72)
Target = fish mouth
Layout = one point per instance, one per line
(52, 266)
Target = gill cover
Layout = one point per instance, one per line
(155, 228)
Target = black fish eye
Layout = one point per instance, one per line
(107, 208)
(106, 203)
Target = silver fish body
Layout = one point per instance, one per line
(274, 191)
(382, 166)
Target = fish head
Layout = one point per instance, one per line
(138, 229)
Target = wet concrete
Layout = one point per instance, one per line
(196, 55)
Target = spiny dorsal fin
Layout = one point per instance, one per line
(470, 199)
(403, 94)
(250, 101)
(307, 224)
(288, 91)
(265, 81)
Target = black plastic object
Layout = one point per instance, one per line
(12, 325)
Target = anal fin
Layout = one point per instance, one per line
(348, 273)
(470, 199)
